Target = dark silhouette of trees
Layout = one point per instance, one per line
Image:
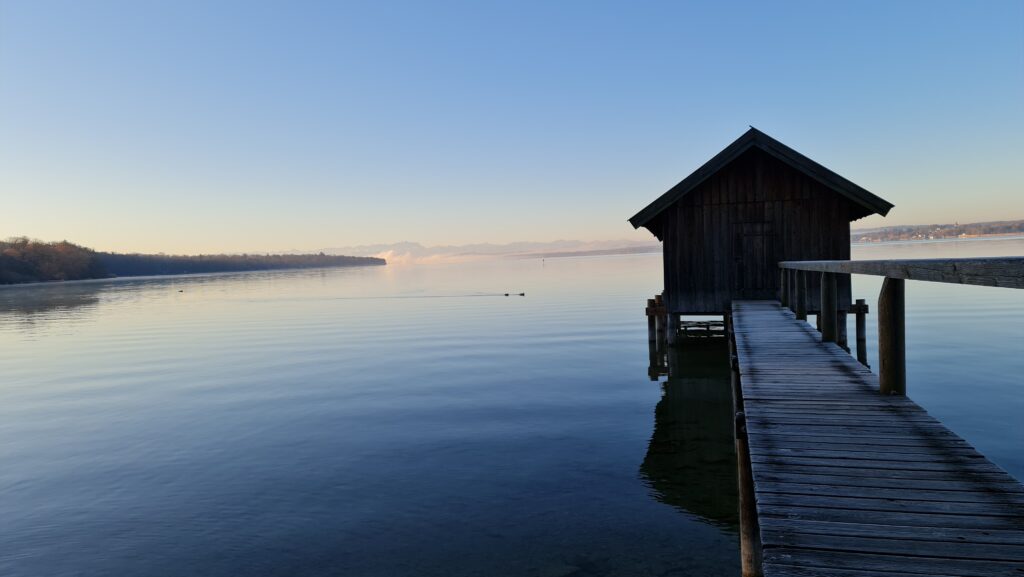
(26, 260)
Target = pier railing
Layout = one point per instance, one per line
(892, 371)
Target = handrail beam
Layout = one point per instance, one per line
(992, 271)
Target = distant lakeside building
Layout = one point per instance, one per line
(940, 231)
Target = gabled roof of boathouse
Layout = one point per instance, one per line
(752, 138)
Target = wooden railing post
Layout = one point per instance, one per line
(842, 339)
(792, 279)
(1005, 272)
(673, 327)
(892, 352)
(784, 287)
(829, 308)
(861, 310)
(801, 295)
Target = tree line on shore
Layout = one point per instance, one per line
(26, 260)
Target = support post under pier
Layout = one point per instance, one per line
(829, 308)
(892, 352)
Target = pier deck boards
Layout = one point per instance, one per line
(852, 483)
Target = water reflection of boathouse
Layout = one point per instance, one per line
(691, 460)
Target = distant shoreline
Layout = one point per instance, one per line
(145, 277)
(939, 231)
(28, 261)
(973, 238)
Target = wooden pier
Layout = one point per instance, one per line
(851, 482)
(840, 473)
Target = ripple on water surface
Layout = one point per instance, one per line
(407, 421)
(380, 421)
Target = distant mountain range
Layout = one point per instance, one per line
(414, 252)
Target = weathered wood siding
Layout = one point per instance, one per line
(724, 240)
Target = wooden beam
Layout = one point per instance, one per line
(995, 271)
(750, 541)
(750, 532)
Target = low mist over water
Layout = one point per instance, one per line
(413, 420)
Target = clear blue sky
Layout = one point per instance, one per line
(231, 126)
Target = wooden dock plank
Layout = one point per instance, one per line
(851, 483)
(1002, 486)
(895, 493)
(860, 517)
(908, 547)
(904, 564)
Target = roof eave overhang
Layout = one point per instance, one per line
(754, 137)
(727, 155)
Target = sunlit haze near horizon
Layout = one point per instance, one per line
(189, 127)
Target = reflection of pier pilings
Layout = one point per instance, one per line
(657, 338)
(654, 370)
(666, 330)
(657, 361)
(691, 461)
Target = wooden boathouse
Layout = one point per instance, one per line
(839, 473)
(725, 227)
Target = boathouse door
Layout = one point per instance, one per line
(752, 255)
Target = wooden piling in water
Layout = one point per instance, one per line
(860, 309)
(829, 313)
(892, 354)
(652, 329)
(783, 288)
(659, 320)
(791, 289)
(800, 295)
(673, 327)
(841, 331)
(654, 371)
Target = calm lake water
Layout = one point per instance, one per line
(411, 420)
